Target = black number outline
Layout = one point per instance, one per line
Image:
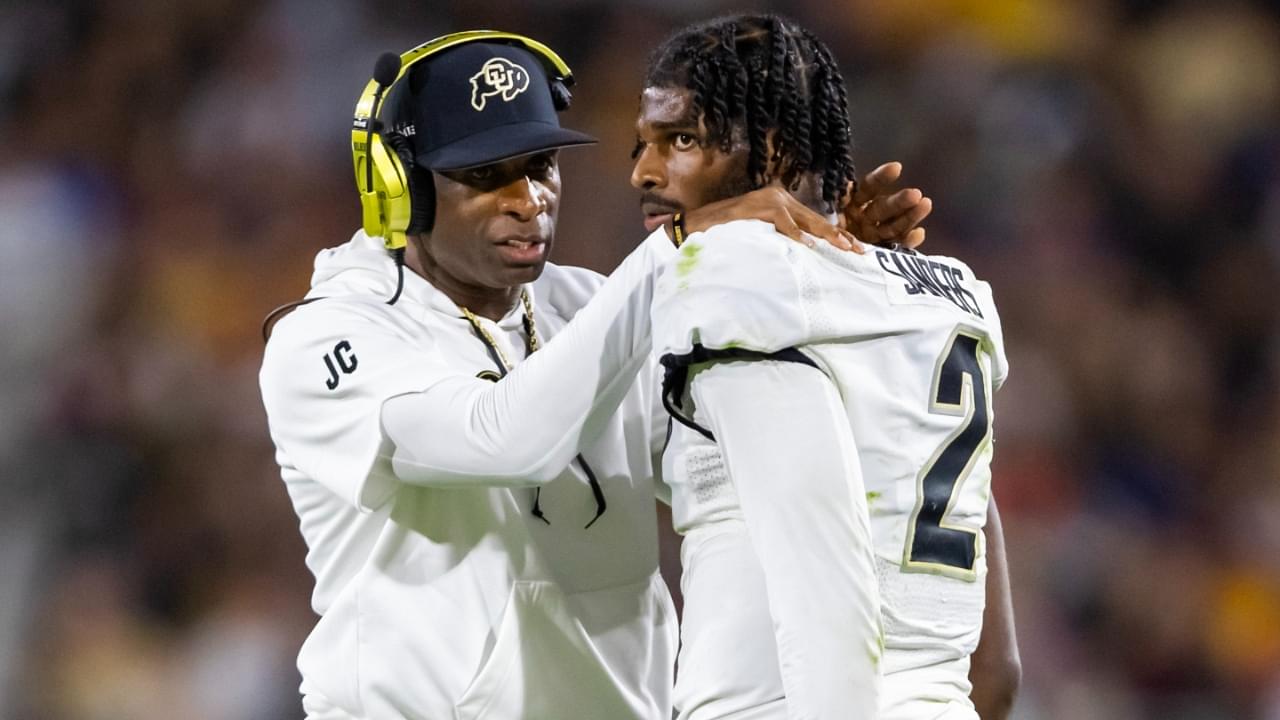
(945, 548)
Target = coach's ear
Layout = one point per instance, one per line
(880, 214)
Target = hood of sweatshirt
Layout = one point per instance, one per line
(360, 266)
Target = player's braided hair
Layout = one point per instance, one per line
(762, 75)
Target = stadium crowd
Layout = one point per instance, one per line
(170, 170)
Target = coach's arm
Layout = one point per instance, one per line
(996, 670)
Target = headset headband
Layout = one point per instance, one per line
(365, 109)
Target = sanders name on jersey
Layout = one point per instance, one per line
(925, 275)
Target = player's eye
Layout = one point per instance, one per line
(684, 141)
(639, 148)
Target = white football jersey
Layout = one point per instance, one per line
(914, 346)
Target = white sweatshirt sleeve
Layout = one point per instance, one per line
(524, 429)
(790, 454)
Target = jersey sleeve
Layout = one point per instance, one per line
(790, 455)
(326, 373)
(524, 429)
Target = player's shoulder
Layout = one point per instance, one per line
(746, 252)
(734, 242)
(981, 288)
(731, 286)
(949, 283)
(737, 229)
(939, 281)
(895, 260)
(739, 257)
(951, 261)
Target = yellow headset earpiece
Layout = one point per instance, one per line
(385, 205)
(384, 200)
(385, 210)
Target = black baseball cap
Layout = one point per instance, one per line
(476, 104)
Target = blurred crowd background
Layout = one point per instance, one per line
(169, 170)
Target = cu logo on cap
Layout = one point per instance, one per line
(498, 76)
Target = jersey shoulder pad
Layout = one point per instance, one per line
(731, 287)
(948, 282)
(979, 294)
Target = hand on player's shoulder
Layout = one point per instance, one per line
(879, 213)
(774, 205)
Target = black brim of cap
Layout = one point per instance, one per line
(501, 143)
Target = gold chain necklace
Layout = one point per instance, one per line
(531, 343)
(530, 330)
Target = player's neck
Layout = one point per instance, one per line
(809, 192)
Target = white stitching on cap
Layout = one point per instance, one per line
(498, 76)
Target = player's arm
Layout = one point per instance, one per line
(789, 451)
(996, 669)
(525, 428)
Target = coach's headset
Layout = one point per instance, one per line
(395, 195)
(391, 198)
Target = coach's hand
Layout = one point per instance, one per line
(774, 205)
(878, 215)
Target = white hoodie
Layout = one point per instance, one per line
(441, 595)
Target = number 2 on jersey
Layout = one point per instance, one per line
(932, 544)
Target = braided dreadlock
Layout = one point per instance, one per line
(761, 76)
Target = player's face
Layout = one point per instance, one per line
(676, 167)
(494, 224)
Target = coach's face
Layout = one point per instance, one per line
(494, 224)
(677, 168)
